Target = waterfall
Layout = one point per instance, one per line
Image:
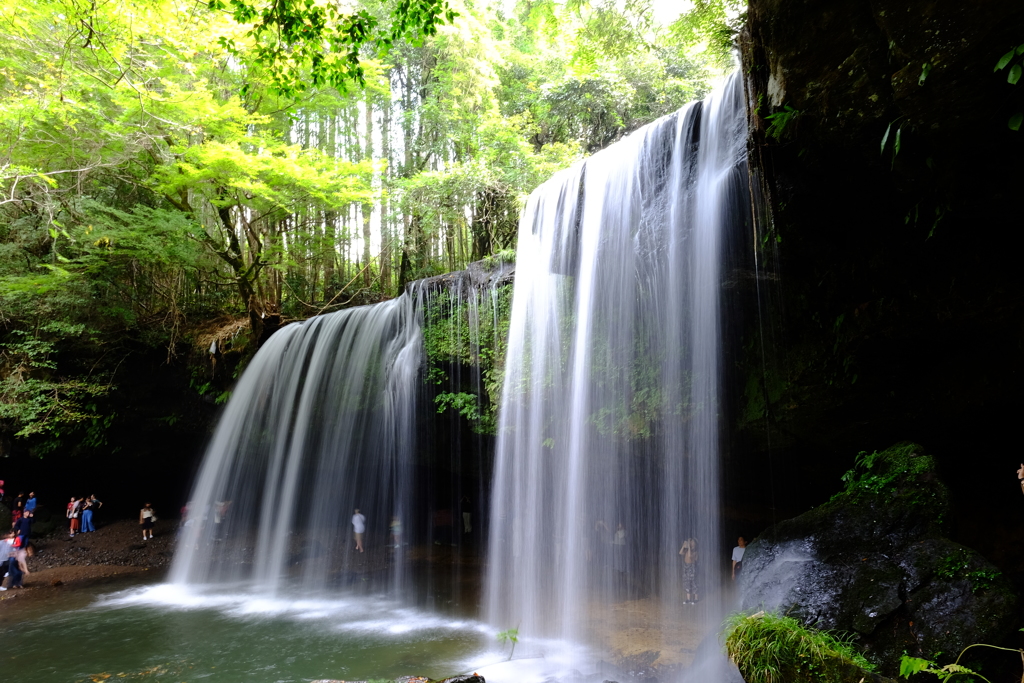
(608, 447)
(320, 423)
(608, 438)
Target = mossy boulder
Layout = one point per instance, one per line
(873, 562)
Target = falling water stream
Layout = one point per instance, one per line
(607, 459)
(320, 424)
(608, 445)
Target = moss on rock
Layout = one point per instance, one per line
(768, 648)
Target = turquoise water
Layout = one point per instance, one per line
(169, 633)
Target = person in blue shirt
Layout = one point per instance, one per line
(30, 504)
(23, 528)
(91, 504)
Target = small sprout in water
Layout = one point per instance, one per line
(509, 636)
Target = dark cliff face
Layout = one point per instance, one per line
(893, 301)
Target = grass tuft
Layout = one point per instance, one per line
(768, 648)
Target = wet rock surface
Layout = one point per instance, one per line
(889, 295)
(873, 562)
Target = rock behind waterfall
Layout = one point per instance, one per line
(873, 562)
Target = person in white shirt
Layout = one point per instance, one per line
(737, 556)
(358, 529)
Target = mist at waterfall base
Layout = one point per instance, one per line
(610, 416)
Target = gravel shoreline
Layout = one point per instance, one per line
(117, 543)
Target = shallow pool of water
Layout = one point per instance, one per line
(170, 633)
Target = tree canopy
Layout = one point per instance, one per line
(166, 163)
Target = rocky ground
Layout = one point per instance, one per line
(117, 543)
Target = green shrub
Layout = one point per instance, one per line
(901, 474)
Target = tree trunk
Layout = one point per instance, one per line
(368, 205)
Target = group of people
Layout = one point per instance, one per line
(14, 546)
(80, 514)
(21, 505)
(359, 530)
(690, 557)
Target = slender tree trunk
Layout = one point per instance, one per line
(385, 204)
(368, 205)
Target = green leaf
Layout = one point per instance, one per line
(896, 142)
(1014, 75)
(1015, 121)
(1005, 59)
(957, 669)
(885, 138)
(925, 70)
(47, 179)
(912, 665)
(1020, 49)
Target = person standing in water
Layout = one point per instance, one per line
(689, 553)
(737, 556)
(358, 528)
(147, 517)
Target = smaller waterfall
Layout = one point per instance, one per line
(320, 423)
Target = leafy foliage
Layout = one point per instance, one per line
(910, 666)
(899, 472)
(962, 565)
(167, 163)
(1013, 77)
(712, 24)
(781, 121)
(36, 401)
(301, 44)
(468, 330)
